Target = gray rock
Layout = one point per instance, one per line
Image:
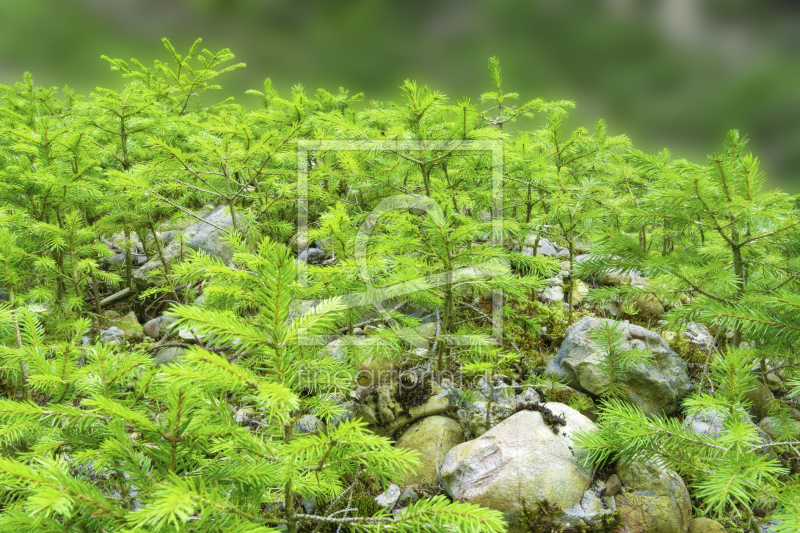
(112, 335)
(546, 248)
(699, 335)
(452, 392)
(428, 330)
(337, 349)
(711, 423)
(312, 255)
(413, 310)
(761, 399)
(168, 355)
(130, 326)
(309, 424)
(116, 259)
(553, 294)
(198, 236)
(769, 527)
(309, 504)
(587, 512)
(772, 427)
(613, 484)
(611, 310)
(648, 306)
(190, 335)
(774, 383)
(656, 388)
(407, 497)
(390, 497)
(520, 460)
(157, 327)
(615, 278)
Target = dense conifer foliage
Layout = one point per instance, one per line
(103, 436)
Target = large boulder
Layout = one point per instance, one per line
(522, 464)
(655, 500)
(656, 387)
(433, 437)
(206, 235)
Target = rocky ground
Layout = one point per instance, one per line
(524, 463)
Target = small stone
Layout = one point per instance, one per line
(360, 393)
(309, 504)
(705, 525)
(700, 336)
(190, 335)
(774, 383)
(130, 326)
(157, 327)
(613, 485)
(648, 306)
(407, 497)
(309, 424)
(112, 335)
(669, 336)
(553, 294)
(656, 500)
(611, 310)
(613, 278)
(243, 415)
(761, 399)
(390, 497)
(772, 426)
(428, 330)
(578, 292)
(312, 255)
(168, 355)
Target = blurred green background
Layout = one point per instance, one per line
(669, 73)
